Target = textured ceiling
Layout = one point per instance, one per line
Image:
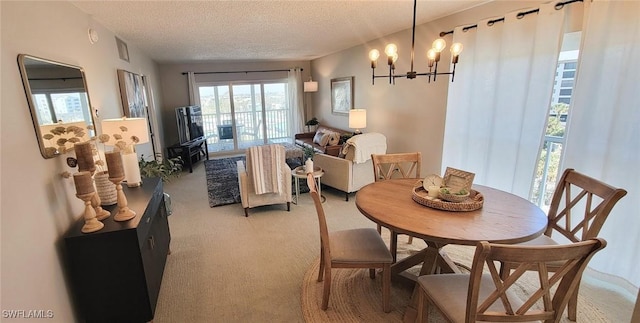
(187, 31)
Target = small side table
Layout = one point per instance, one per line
(299, 172)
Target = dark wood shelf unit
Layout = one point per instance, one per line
(191, 151)
(116, 272)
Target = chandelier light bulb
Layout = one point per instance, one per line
(391, 50)
(374, 54)
(456, 49)
(431, 54)
(439, 44)
(394, 57)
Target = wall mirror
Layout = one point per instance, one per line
(59, 103)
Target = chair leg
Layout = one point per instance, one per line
(420, 315)
(246, 213)
(326, 289)
(410, 241)
(288, 206)
(321, 271)
(393, 245)
(379, 229)
(572, 307)
(346, 196)
(386, 288)
(372, 273)
(504, 270)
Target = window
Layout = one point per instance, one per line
(559, 112)
(60, 106)
(258, 111)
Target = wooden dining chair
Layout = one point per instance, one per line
(401, 165)
(355, 248)
(487, 296)
(579, 207)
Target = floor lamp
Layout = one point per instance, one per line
(309, 87)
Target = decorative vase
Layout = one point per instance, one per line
(308, 166)
(105, 188)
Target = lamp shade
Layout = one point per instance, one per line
(311, 86)
(357, 118)
(127, 128)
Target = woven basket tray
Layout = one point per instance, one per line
(472, 203)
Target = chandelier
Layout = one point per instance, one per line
(433, 57)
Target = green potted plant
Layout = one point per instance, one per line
(166, 169)
(308, 152)
(313, 122)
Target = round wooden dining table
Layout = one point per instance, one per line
(503, 218)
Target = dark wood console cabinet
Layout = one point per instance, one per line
(116, 272)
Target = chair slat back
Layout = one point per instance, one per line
(580, 206)
(402, 165)
(546, 303)
(322, 221)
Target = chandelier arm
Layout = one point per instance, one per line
(453, 73)
(435, 71)
(373, 76)
(413, 34)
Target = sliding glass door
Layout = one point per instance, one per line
(239, 115)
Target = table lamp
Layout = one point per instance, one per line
(310, 86)
(357, 120)
(124, 133)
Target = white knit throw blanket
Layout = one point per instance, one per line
(265, 170)
(366, 144)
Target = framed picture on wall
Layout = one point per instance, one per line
(132, 94)
(342, 95)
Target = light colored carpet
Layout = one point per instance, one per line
(228, 268)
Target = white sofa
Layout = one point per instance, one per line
(355, 170)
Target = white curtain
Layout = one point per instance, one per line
(603, 130)
(498, 104)
(191, 80)
(296, 100)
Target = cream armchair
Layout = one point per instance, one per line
(248, 195)
(355, 170)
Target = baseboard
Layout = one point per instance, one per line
(617, 283)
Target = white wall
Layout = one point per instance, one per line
(411, 113)
(37, 205)
(176, 92)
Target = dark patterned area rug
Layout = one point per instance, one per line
(222, 180)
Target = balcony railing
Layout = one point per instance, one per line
(249, 129)
(547, 173)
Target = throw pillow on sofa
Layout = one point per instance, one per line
(317, 139)
(325, 139)
(334, 139)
